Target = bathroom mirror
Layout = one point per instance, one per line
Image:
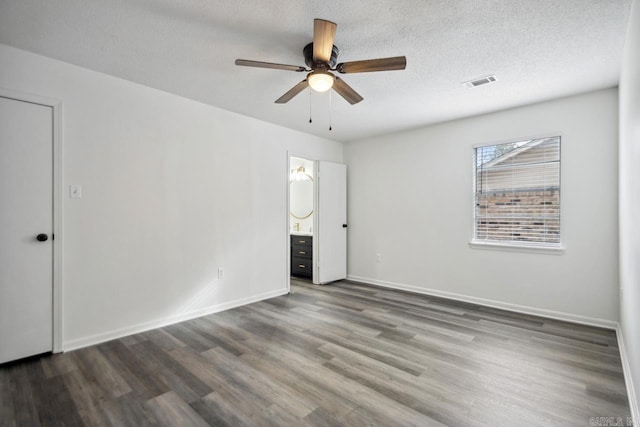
(301, 197)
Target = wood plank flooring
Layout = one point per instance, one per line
(337, 355)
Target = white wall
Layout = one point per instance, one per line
(172, 190)
(410, 201)
(630, 202)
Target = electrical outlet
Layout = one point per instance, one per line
(378, 256)
(220, 273)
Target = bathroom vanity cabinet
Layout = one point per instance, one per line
(301, 255)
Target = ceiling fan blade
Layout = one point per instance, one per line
(260, 64)
(292, 92)
(323, 34)
(381, 64)
(346, 91)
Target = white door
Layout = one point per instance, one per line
(26, 211)
(331, 226)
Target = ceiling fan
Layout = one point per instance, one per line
(321, 56)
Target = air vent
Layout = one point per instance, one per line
(481, 81)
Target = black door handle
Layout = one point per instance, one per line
(42, 237)
(344, 225)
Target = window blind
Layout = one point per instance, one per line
(517, 192)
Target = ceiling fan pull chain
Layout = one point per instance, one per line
(310, 121)
(330, 110)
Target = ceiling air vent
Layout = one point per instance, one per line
(481, 81)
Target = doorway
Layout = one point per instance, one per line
(30, 300)
(317, 220)
(302, 217)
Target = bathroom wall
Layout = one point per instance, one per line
(296, 204)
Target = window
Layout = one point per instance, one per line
(517, 193)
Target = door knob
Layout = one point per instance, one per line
(344, 225)
(42, 237)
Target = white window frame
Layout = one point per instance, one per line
(513, 246)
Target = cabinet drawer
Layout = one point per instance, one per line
(301, 251)
(301, 240)
(301, 266)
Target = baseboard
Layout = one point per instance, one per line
(551, 314)
(626, 369)
(159, 323)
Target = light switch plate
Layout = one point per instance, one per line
(75, 191)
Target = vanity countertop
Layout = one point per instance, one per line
(301, 233)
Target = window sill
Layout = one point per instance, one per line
(514, 247)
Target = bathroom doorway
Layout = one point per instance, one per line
(317, 220)
(301, 217)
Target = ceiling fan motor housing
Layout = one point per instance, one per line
(308, 57)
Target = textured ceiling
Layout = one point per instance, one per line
(538, 49)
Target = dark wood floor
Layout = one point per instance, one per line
(343, 354)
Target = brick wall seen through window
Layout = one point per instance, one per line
(517, 192)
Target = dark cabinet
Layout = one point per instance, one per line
(301, 256)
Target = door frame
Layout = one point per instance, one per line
(58, 199)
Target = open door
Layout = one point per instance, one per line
(331, 223)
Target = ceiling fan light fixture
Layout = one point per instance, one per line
(320, 80)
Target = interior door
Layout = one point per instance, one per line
(331, 262)
(26, 221)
